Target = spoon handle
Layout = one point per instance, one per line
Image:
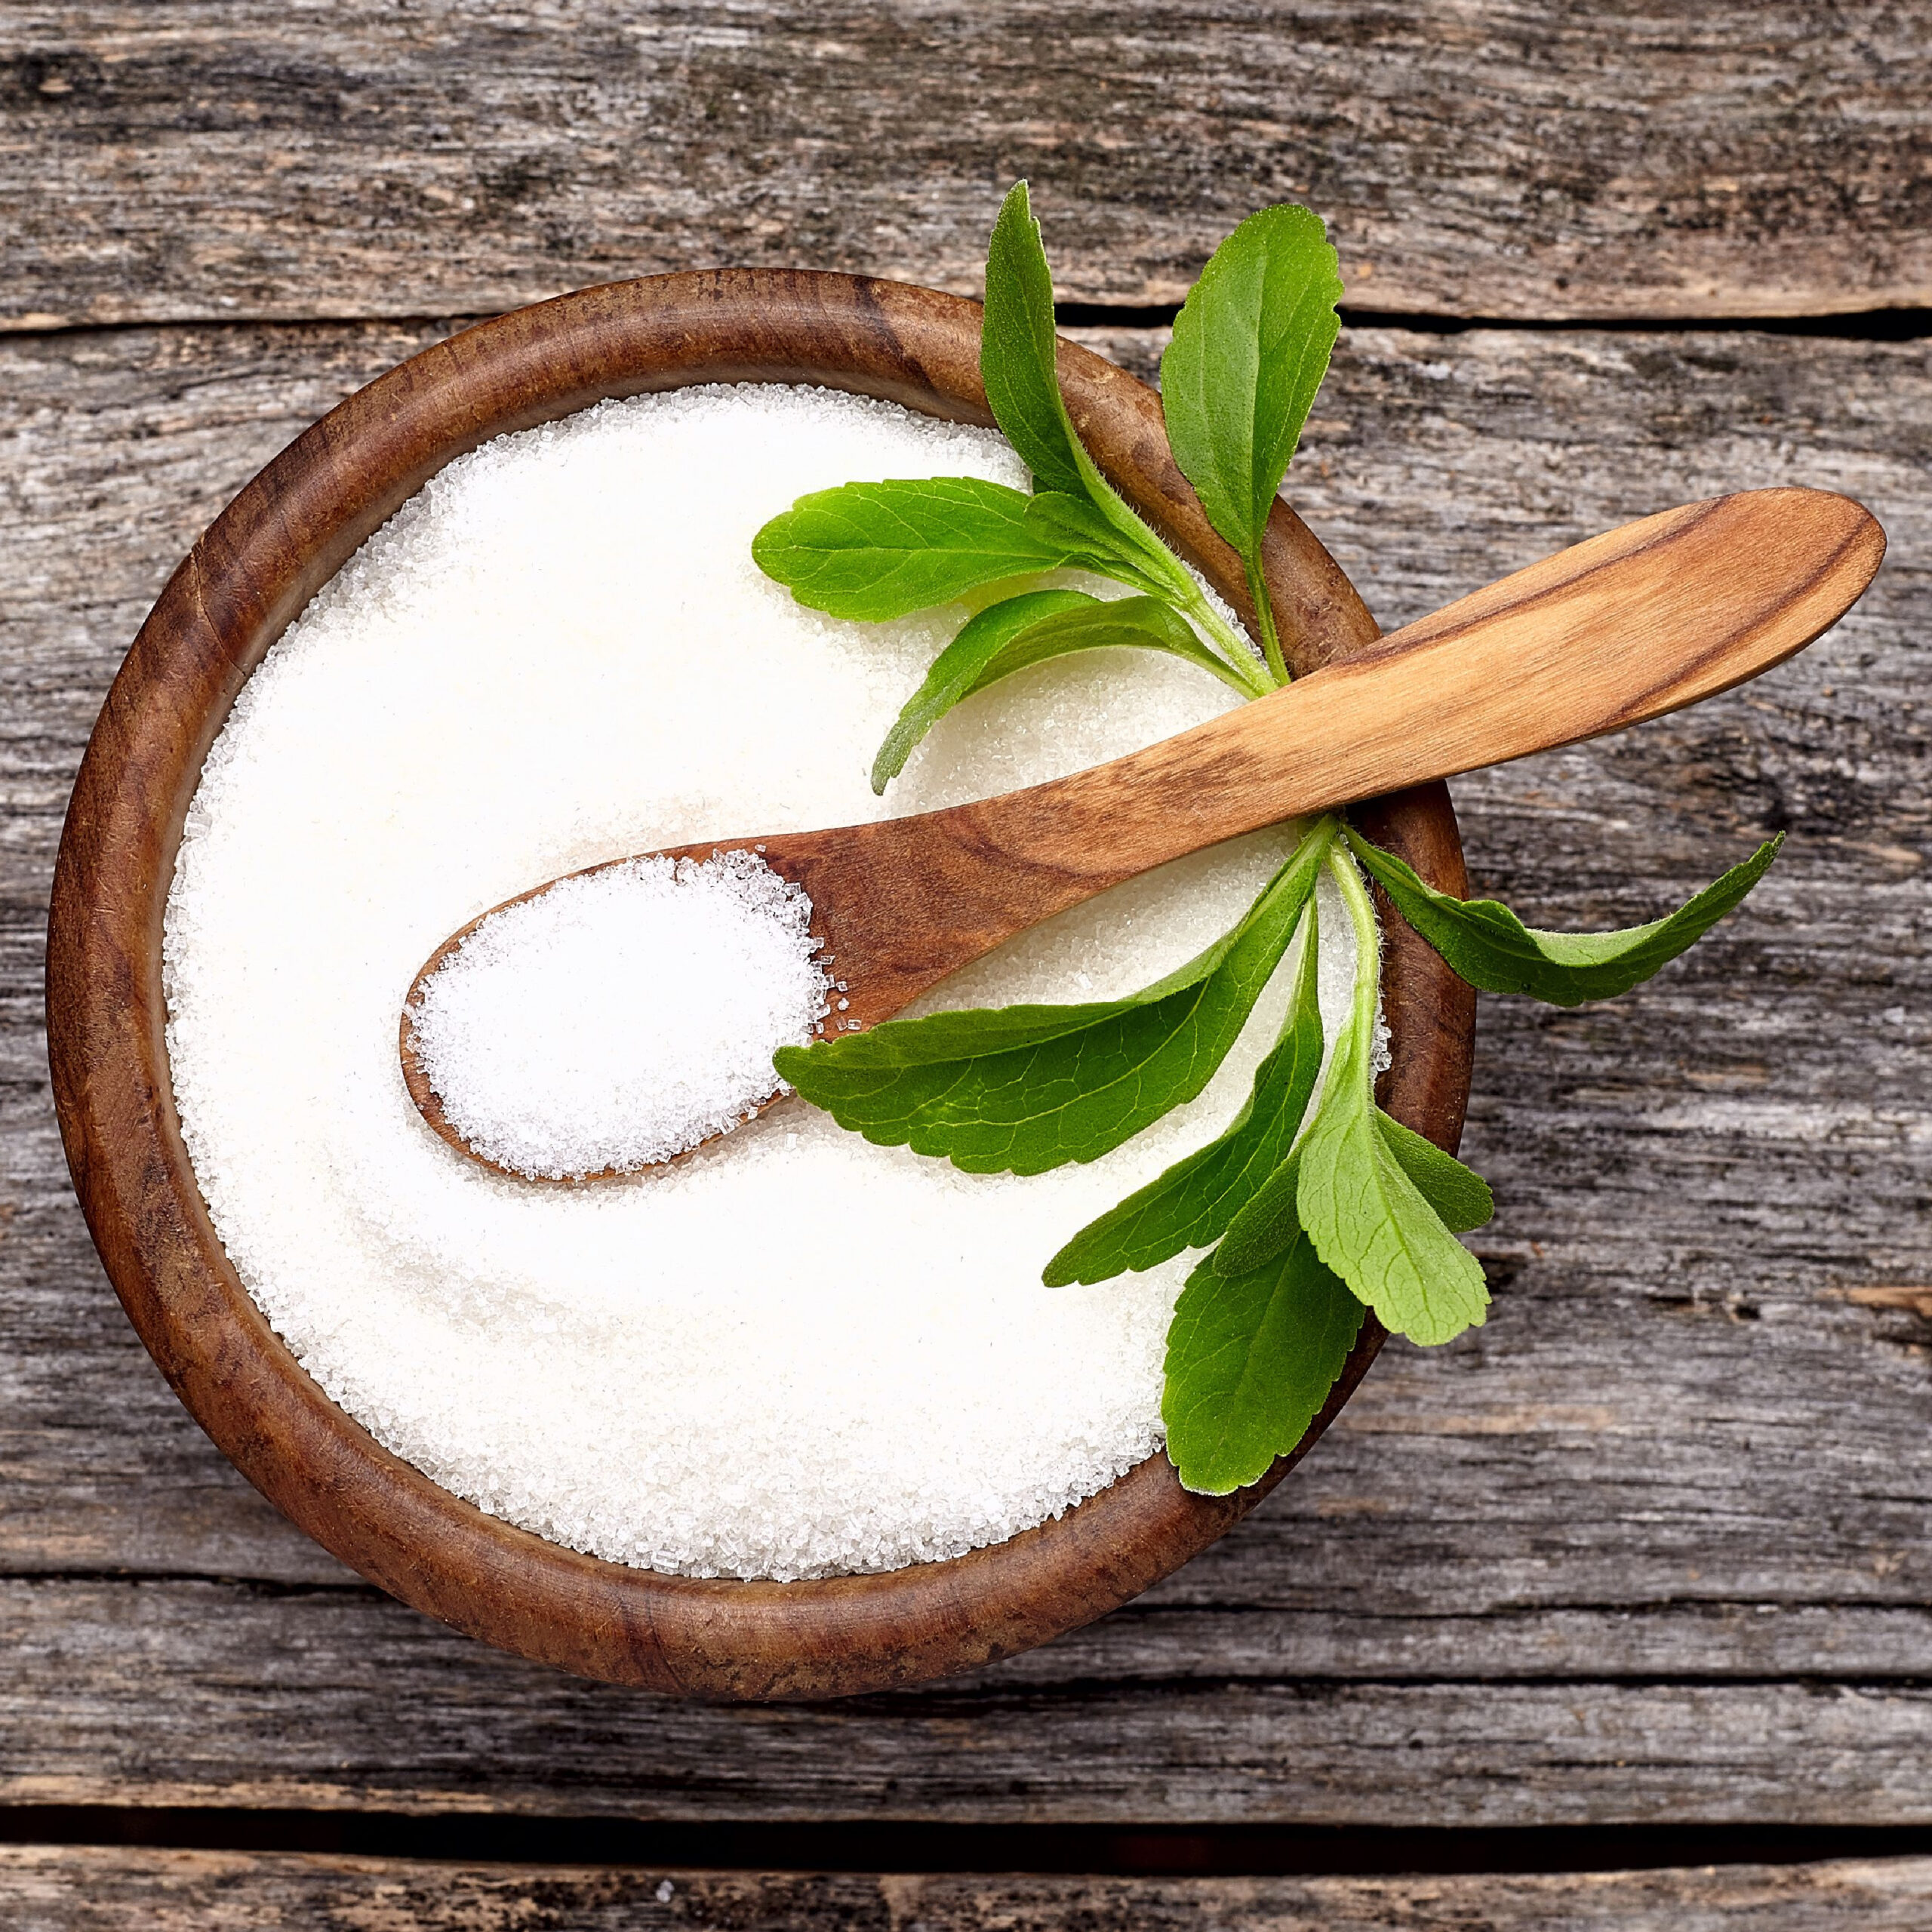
(1640, 621)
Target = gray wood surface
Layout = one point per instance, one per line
(1652, 1545)
(86, 1890)
(355, 157)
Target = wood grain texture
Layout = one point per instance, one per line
(348, 157)
(85, 1889)
(247, 576)
(1652, 1545)
(163, 1692)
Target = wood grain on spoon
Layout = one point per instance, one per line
(1628, 626)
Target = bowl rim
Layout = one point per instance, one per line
(249, 575)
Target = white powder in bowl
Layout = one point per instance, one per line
(621, 1018)
(790, 1353)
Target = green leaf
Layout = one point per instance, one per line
(1024, 1088)
(1027, 630)
(1269, 1220)
(965, 665)
(877, 550)
(1250, 346)
(1272, 1217)
(1369, 1220)
(1018, 345)
(1459, 1194)
(1191, 1203)
(1486, 944)
(1251, 1360)
(1350, 1190)
(1089, 540)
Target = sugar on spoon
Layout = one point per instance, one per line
(1630, 625)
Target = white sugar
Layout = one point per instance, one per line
(622, 1017)
(790, 1353)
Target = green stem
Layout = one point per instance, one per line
(1264, 614)
(1319, 840)
(1162, 571)
(1231, 676)
(1322, 834)
(1234, 647)
(1368, 957)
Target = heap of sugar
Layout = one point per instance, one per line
(621, 1016)
(790, 1353)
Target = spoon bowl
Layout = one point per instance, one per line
(1628, 626)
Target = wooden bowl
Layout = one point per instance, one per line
(267, 553)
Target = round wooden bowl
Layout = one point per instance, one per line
(267, 553)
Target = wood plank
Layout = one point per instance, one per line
(1653, 1544)
(85, 1889)
(167, 1693)
(213, 159)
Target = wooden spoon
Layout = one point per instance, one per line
(1632, 624)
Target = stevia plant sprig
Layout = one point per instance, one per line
(1314, 1205)
(884, 550)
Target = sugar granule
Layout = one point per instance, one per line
(790, 1353)
(623, 1016)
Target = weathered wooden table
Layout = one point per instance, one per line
(1600, 1616)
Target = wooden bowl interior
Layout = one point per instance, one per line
(284, 535)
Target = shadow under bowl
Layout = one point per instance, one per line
(282, 538)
